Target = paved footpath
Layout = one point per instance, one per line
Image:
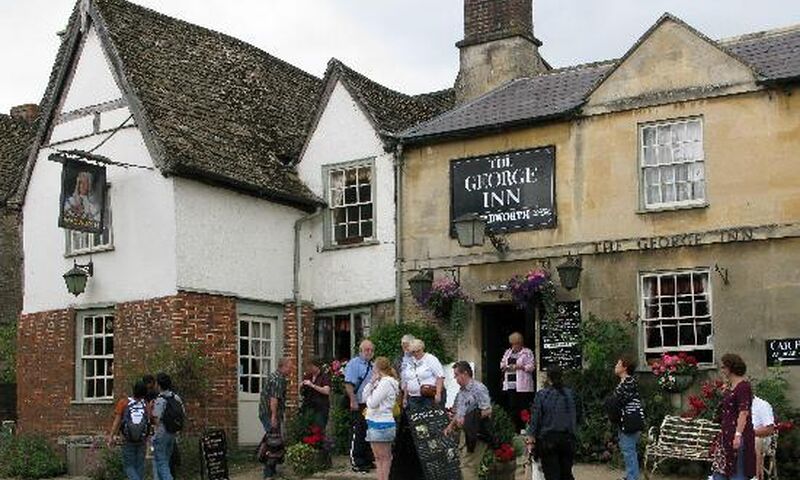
(341, 471)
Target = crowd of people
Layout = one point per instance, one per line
(380, 394)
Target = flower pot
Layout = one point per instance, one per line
(502, 470)
(681, 384)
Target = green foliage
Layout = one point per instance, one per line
(340, 418)
(503, 425)
(190, 457)
(387, 340)
(302, 459)
(105, 463)
(8, 353)
(774, 388)
(29, 457)
(297, 426)
(457, 321)
(603, 342)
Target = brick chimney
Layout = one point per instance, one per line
(26, 113)
(498, 46)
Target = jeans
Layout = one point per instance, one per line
(133, 460)
(739, 475)
(628, 444)
(163, 444)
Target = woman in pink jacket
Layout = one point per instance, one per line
(518, 367)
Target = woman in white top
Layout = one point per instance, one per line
(423, 377)
(380, 395)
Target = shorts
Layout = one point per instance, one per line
(381, 435)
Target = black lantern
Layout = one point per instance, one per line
(470, 230)
(76, 278)
(570, 272)
(421, 284)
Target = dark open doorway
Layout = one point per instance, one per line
(498, 322)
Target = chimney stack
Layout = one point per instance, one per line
(26, 113)
(498, 46)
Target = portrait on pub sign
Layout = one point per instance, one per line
(83, 196)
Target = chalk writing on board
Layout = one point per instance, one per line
(438, 454)
(213, 447)
(560, 342)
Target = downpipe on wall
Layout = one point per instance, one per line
(298, 225)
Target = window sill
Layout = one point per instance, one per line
(673, 208)
(370, 243)
(91, 251)
(103, 403)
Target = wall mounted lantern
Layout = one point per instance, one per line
(471, 231)
(76, 278)
(421, 284)
(570, 272)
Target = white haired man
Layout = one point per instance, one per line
(357, 374)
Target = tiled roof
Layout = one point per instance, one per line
(545, 96)
(213, 107)
(773, 55)
(391, 111)
(15, 138)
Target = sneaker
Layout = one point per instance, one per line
(358, 469)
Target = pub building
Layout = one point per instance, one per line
(659, 189)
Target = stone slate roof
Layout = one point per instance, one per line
(213, 108)
(547, 96)
(16, 137)
(390, 111)
(773, 55)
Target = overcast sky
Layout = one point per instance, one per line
(404, 44)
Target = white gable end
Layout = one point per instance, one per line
(92, 82)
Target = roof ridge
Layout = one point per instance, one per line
(773, 32)
(580, 66)
(151, 11)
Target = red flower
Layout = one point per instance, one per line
(505, 453)
(525, 415)
(697, 403)
(784, 426)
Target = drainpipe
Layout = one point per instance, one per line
(398, 225)
(296, 288)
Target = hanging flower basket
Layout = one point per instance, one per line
(535, 285)
(444, 293)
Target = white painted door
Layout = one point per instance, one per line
(257, 359)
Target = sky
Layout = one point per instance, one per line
(407, 45)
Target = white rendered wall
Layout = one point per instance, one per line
(142, 262)
(233, 243)
(349, 276)
(93, 82)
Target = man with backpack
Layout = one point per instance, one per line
(132, 422)
(168, 418)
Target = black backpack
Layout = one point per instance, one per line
(173, 417)
(135, 421)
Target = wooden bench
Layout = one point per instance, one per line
(679, 439)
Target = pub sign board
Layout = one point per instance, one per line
(783, 352)
(513, 191)
(83, 196)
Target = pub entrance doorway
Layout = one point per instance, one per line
(498, 322)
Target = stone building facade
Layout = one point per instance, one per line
(674, 180)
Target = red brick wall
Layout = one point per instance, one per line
(290, 345)
(46, 362)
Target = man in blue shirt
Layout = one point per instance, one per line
(356, 376)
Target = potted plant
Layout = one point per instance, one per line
(536, 284)
(322, 448)
(500, 460)
(675, 373)
(705, 405)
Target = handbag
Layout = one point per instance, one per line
(427, 391)
(271, 449)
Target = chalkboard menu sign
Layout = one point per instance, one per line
(783, 352)
(560, 342)
(213, 447)
(512, 191)
(438, 454)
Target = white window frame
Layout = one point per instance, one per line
(329, 225)
(644, 349)
(272, 354)
(643, 167)
(80, 336)
(71, 237)
(365, 327)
